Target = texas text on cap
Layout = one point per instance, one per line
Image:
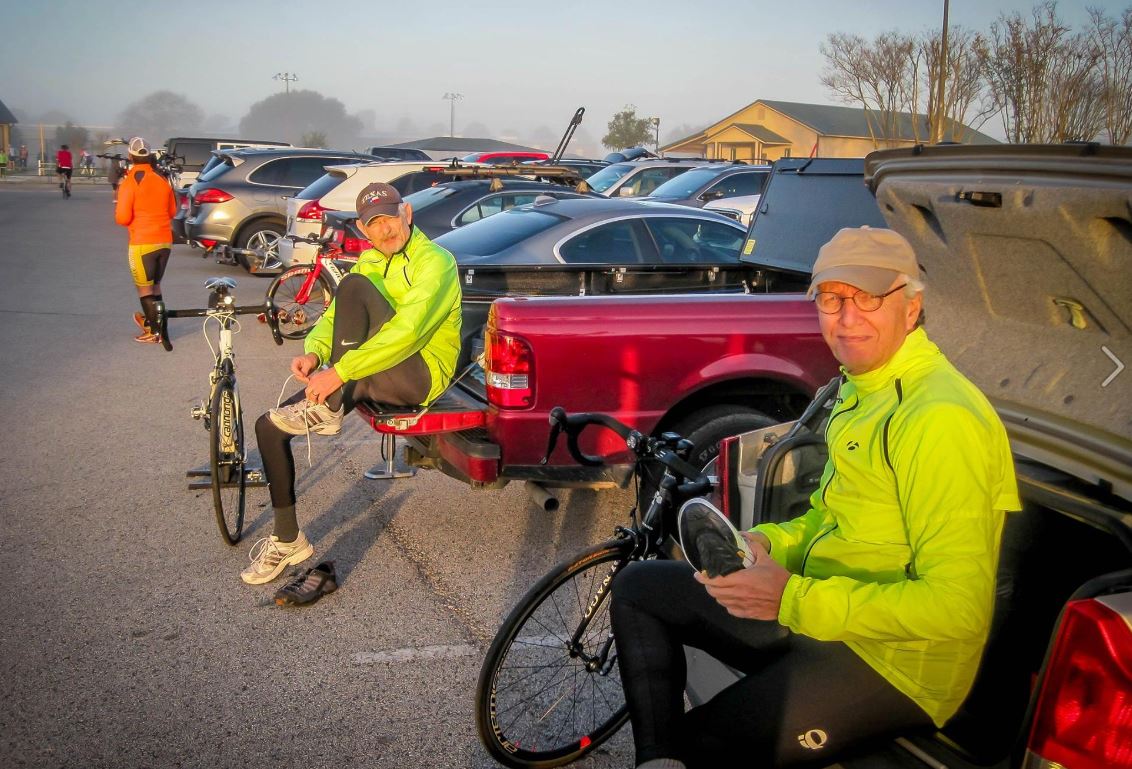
(864, 257)
(377, 199)
(139, 147)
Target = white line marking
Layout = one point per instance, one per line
(413, 654)
(1114, 359)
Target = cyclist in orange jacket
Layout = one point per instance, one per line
(146, 205)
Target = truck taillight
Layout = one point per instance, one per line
(212, 195)
(354, 245)
(1083, 718)
(310, 212)
(509, 371)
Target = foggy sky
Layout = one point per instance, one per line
(523, 68)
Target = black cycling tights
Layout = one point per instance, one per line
(360, 310)
(802, 702)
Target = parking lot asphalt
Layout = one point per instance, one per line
(128, 639)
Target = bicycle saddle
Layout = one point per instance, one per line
(219, 283)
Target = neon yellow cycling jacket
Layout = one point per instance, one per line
(422, 286)
(898, 552)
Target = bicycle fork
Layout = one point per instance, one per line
(599, 662)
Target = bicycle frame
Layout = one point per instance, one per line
(321, 262)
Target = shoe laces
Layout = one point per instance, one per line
(301, 408)
(265, 552)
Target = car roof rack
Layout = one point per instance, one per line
(560, 174)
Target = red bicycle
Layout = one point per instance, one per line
(301, 294)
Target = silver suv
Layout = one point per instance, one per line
(637, 178)
(242, 200)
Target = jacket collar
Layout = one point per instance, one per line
(915, 350)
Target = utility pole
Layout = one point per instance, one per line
(452, 98)
(941, 110)
(287, 79)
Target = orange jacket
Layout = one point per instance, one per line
(146, 204)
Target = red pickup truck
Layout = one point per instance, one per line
(706, 365)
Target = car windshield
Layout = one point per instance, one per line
(221, 168)
(686, 184)
(608, 176)
(497, 233)
(320, 186)
(428, 197)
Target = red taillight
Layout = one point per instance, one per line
(311, 212)
(351, 245)
(212, 195)
(509, 371)
(207, 243)
(1084, 715)
(724, 471)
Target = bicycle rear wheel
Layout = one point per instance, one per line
(542, 701)
(296, 318)
(226, 457)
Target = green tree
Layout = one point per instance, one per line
(627, 130)
(314, 139)
(160, 115)
(291, 116)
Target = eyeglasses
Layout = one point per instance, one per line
(830, 303)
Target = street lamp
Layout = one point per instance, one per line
(452, 99)
(287, 79)
(656, 125)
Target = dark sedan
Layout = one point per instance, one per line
(444, 207)
(596, 231)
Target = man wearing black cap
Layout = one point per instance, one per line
(866, 616)
(392, 334)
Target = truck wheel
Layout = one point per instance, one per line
(261, 236)
(705, 429)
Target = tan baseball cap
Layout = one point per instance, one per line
(866, 257)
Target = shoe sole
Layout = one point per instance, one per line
(294, 558)
(323, 429)
(154, 339)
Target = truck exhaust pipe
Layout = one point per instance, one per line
(541, 497)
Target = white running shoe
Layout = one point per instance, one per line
(307, 417)
(270, 557)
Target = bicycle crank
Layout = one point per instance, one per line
(201, 412)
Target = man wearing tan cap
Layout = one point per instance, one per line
(867, 616)
(392, 335)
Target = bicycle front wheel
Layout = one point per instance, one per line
(226, 458)
(297, 318)
(549, 689)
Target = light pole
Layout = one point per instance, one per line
(656, 125)
(452, 99)
(941, 111)
(287, 79)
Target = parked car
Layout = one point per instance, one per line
(1026, 250)
(241, 201)
(597, 231)
(441, 209)
(735, 186)
(497, 158)
(192, 154)
(337, 190)
(638, 178)
(399, 153)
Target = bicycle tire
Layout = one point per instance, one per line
(295, 319)
(226, 457)
(521, 716)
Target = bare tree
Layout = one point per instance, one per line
(966, 106)
(1043, 78)
(880, 76)
(1113, 39)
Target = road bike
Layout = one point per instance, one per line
(65, 183)
(549, 690)
(228, 472)
(301, 294)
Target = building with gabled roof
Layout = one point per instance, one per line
(765, 131)
(7, 120)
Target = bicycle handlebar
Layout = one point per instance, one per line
(643, 446)
(313, 240)
(266, 308)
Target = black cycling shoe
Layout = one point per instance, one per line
(308, 586)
